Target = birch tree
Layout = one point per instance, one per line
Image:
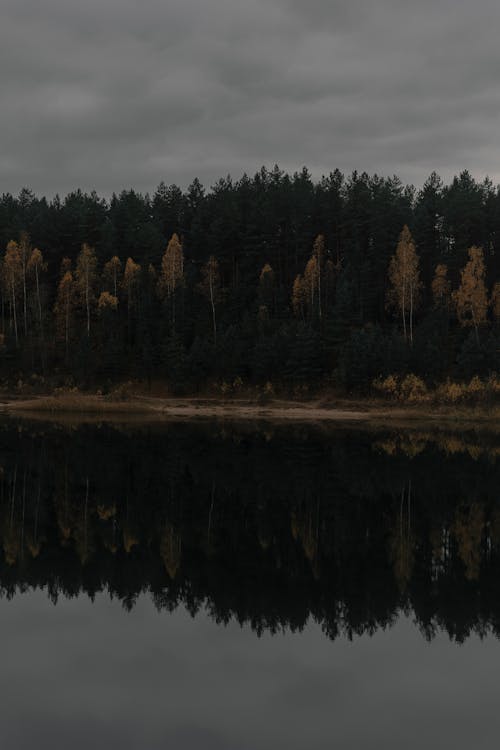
(85, 279)
(111, 274)
(404, 276)
(471, 298)
(64, 305)
(172, 273)
(36, 266)
(211, 287)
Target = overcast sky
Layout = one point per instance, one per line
(109, 94)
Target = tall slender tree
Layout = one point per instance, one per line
(404, 277)
(86, 279)
(172, 273)
(471, 298)
(211, 288)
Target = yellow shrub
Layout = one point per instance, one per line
(387, 386)
(412, 388)
(475, 388)
(451, 392)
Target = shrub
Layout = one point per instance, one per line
(413, 389)
(387, 386)
(450, 392)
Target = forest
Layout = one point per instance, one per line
(274, 281)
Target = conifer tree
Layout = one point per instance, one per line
(495, 301)
(441, 287)
(266, 291)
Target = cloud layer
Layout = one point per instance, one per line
(109, 94)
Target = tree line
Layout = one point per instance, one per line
(271, 278)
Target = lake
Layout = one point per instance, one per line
(215, 585)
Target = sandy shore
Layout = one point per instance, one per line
(145, 408)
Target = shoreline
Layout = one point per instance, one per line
(150, 408)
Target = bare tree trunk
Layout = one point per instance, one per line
(319, 289)
(39, 301)
(404, 309)
(476, 331)
(212, 302)
(14, 311)
(87, 301)
(67, 327)
(411, 313)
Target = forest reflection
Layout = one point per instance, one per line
(268, 526)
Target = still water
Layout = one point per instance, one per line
(217, 586)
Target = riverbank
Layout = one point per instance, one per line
(149, 408)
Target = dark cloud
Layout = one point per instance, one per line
(113, 93)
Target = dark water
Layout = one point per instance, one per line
(218, 586)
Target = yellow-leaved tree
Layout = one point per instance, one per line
(471, 298)
(171, 274)
(130, 284)
(13, 274)
(404, 276)
(85, 279)
(299, 293)
(36, 266)
(64, 305)
(111, 274)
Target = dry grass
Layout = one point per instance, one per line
(79, 403)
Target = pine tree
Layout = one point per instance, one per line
(495, 301)
(266, 291)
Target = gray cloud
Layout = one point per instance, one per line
(111, 93)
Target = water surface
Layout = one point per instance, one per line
(238, 586)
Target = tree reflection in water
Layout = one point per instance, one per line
(270, 526)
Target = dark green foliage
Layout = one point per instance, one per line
(269, 220)
(362, 358)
